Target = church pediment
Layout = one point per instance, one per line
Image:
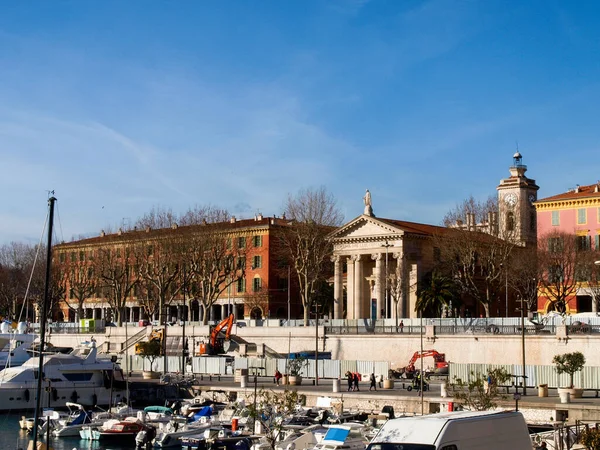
(364, 227)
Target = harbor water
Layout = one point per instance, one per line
(13, 438)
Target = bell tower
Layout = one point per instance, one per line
(516, 195)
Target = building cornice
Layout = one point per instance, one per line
(567, 204)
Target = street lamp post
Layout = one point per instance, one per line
(288, 294)
(522, 301)
(505, 288)
(316, 345)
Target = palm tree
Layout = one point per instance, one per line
(434, 293)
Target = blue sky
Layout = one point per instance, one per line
(119, 106)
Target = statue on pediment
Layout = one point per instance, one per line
(368, 206)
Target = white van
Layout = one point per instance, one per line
(461, 430)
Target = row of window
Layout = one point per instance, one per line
(582, 243)
(581, 216)
(257, 241)
(240, 288)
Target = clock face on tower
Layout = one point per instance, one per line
(511, 199)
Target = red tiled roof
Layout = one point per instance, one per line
(156, 233)
(580, 192)
(413, 227)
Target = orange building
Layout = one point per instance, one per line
(262, 292)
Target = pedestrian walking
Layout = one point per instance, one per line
(372, 379)
(355, 388)
(381, 381)
(350, 380)
(277, 376)
(401, 325)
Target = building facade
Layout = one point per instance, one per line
(266, 289)
(575, 212)
(373, 256)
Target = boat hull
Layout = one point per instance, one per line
(19, 397)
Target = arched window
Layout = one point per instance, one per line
(510, 221)
(256, 313)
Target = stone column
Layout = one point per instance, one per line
(338, 288)
(379, 283)
(350, 297)
(358, 286)
(223, 311)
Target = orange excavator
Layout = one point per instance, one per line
(214, 346)
(441, 365)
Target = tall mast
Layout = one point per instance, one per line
(43, 318)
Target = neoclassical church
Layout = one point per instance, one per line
(373, 256)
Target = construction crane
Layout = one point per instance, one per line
(214, 347)
(441, 365)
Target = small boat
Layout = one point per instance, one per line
(77, 419)
(171, 434)
(348, 436)
(114, 429)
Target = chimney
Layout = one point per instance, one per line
(148, 229)
(232, 220)
(258, 217)
(120, 232)
(102, 233)
(204, 222)
(174, 226)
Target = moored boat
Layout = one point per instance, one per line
(89, 380)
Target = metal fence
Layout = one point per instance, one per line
(327, 368)
(588, 378)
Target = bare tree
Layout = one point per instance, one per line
(522, 276)
(16, 263)
(213, 262)
(313, 213)
(82, 285)
(476, 261)
(160, 264)
(116, 270)
(157, 217)
(480, 211)
(474, 251)
(203, 214)
(563, 263)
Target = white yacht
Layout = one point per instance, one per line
(87, 380)
(14, 345)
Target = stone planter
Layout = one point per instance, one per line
(295, 380)
(388, 384)
(574, 392)
(565, 395)
(284, 380)
(150, 375)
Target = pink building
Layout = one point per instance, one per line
(576, 212)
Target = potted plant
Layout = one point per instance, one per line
(149, 350)
(295, 371)
(569, 363)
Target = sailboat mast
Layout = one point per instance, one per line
(38, 395)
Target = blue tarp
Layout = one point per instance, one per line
(336, 436)
(204, 412)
